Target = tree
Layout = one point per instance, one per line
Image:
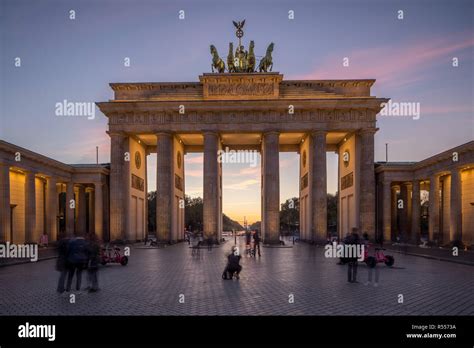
(289, 215)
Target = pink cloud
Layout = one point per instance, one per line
(394, 65)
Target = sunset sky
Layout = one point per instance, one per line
(77, 59)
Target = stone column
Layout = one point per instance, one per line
(455, 216)
(81, 211)
(434, 207)
(387, 210)
(70, 212)
(404, 223)
(117, 226)
(164, 186)
(415, 215)
(367, 183)
(319, 186)
(98, 211)
(52, 209)
(271, 188)
(30, 207)
(394, 206)
(211, 186)
(5, 210)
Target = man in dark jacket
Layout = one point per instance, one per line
(353, 262)
(93, 253)
(233, 265)
(256, 243)
(61, 263)
(77, 261)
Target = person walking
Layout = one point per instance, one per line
(256, 243)
(61, 263)
(93, 253)
(353, 262)
(77, 261)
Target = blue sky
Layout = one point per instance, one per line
(76, 59)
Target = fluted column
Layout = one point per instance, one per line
(394, 206)
(30, 207)
(404, 218)
(70, 212)
(164, 186)
(5, 217)
(211, 186)
(415, 215)
(271, 187)
(81, 210)
(367, 182)
(52, 208)
(98, 211)
(455, 216)
(387, 210)
(434, 207)
(117, 197)
(319, 186)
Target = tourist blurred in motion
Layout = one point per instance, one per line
(93, 253)
(77, 257)
(61, 263)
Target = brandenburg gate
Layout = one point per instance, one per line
(259, 111)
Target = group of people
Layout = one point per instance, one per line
(74, 256)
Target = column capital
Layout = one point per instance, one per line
(367, 131)
(163, 134)
(271, 132)
(318, 132)
(116, 134)
(209, 132)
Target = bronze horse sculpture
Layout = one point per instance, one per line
(217, 62)
(230, 58)
(266, 64)
(251, 58)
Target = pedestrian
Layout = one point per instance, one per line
(256, 243)
(44, 240)
(353, 262)
(93, 253)
(61, 263)
(233, 265)
(77, 261)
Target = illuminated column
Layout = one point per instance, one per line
(271, 188)
(434, 207)
(5, 217)
(211, 186)
(98, 211)
(387, 210)
(164, 186)
(415, 215)
(52, 208)
(70, 210)
(81, 210)
(117, 211)
(319, 187)
(30, 207)
(367, 182)
(455, 220)
(394, 206)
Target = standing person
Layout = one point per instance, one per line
(44, 240)
(93, 252)
(61, 263)
(256, 243)
(353, 262)
(77, 261)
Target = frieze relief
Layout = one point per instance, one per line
(151, 118)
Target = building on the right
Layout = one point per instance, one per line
(432, 199)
